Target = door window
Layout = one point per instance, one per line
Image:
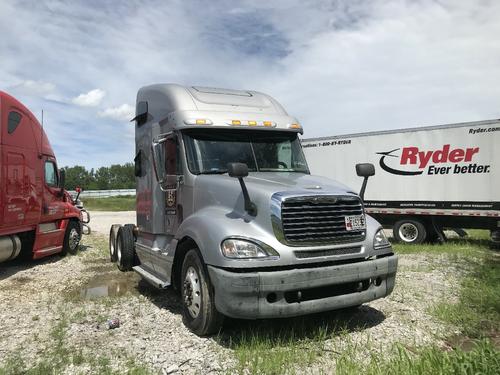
(50, 174)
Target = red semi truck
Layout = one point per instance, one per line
(38, 217)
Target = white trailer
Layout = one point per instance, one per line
(426, 179)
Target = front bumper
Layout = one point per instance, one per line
(273, 294)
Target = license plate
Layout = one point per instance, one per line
(354, 222)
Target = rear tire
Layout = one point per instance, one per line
(125, 248)
(72, 238)
(410, 231)
(113, 234)
(198, 301)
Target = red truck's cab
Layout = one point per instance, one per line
(37, 216)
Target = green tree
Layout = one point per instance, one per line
(116, 176)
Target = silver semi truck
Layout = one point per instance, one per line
(229, 215)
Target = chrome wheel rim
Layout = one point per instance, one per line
(73, 239)
(408, 232)
(192, 292)
(111, 247)
(119, 251)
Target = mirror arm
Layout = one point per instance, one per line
(363, 188)
(250, 207)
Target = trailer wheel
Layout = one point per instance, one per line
(71, 238)
(198, 302)
(125, 248)
(409, 231)
(113, 233)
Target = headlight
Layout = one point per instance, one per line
(243, 249)
(380, 241)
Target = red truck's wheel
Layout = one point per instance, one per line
(71, 238)
(198, 302)
(125, 248)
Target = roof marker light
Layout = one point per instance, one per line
(198, 121)
(236, 122)
(252, 123)
(294, 126)
(269, 124)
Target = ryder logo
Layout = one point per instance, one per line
(414, 161)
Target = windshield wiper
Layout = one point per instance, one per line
(214, 171)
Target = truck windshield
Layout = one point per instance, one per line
(209, 152)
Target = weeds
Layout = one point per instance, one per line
(478, 311)
(119, 203)
(484, 358)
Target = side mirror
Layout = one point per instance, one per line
(240, 170)
(78, 190)
(62, 180)
(164, 150)
(364, 170)
(141, 113)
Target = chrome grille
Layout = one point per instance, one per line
(320, 219)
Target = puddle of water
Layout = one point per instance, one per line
(109, 285)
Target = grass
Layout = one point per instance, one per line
(483, 358)
(475, 245)
(478, 311)
(477, 314)
(119, 203)
(279, 347)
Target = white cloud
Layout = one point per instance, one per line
(91, 99)
(124, 112)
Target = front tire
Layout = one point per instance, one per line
(198, 303)
(410, 231)
(72, 238)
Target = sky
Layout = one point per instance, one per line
(340, 67)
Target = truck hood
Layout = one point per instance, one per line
(225, 191)
(219, 213)
(296, 182)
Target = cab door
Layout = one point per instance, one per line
(53, 207)
(169, 176)
(50, 231)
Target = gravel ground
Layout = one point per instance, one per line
(40, 295)
(101, 221)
